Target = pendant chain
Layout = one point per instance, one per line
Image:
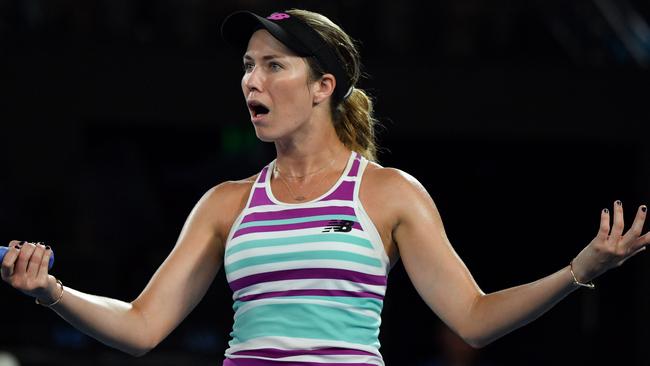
(293, 194)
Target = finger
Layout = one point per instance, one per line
(10, 259)
(639, 250)
(642, 240)
(617, 226)
(35, 261)
(637, 226)
(603, 231)
(43, 270)
(23, 259)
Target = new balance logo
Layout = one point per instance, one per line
(338, 226)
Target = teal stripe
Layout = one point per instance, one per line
(297, 220)
(303, 256)
(325, 237)
(305, 321)
(365, 303)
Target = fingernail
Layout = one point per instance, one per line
(618, 202)
(605, 210)
(644, 209)
(47, 247)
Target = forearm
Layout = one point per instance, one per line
(497, 314)
(113, 322)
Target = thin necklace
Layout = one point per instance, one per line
(308, 174)
(301, 197)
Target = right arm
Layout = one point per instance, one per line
(171, 294)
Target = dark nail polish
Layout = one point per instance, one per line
(605, 210)
(47, 247)
(618, 202)
(644, 209)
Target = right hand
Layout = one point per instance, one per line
(25, 268)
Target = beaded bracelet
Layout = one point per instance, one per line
(55, 301)
(589, 285)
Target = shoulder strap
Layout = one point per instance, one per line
(258, 194)
(346, 188)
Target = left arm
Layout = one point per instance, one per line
(447, 286)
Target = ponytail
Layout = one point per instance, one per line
(355, 124)
(353, 117)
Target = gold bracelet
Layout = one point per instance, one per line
(55, 301)
(589, 285)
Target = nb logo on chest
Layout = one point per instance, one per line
(338, 226)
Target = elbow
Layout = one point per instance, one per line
(140, 351)
(476, 343)
(475, 338)
(144, 340)
(137, 350)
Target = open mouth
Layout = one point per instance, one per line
(257, 109)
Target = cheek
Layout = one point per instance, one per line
(295, 98)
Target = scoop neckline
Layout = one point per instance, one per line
(269, 191)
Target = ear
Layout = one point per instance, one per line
(323, 88)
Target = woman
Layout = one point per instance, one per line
(308, 242)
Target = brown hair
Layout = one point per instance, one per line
(353, 117)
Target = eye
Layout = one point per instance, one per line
(274, 66)
(248, 66)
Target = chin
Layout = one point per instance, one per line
(264, 135)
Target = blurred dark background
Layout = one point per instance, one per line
(523, 119)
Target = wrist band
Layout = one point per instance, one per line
(55, 301)
(589, 285)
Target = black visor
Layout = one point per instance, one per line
(299, 37)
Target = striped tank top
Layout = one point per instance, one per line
(308, 279)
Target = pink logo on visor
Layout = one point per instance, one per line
(278, 16)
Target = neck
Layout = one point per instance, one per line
(300, 156)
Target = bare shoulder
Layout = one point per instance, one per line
(226, 200)
(232, 190)
(391, 197)
(392, 183)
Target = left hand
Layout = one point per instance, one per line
(610, 248)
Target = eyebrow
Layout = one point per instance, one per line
(264, 58)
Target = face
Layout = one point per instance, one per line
(275, 85)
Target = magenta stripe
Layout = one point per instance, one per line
(260, 198)
(262, 177)
(299, 212)
(257, 362)
(328, 293)
(343, 192)
(279, 353)
(355, 166)
(300, 225)
(308, 273)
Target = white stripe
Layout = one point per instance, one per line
(289, 343)
(309, 284)
(297, 248)
(275, 208)
(281, 234)
(319, 358)
(304, 264)
(366, 222)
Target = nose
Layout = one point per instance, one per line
(253, 81)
